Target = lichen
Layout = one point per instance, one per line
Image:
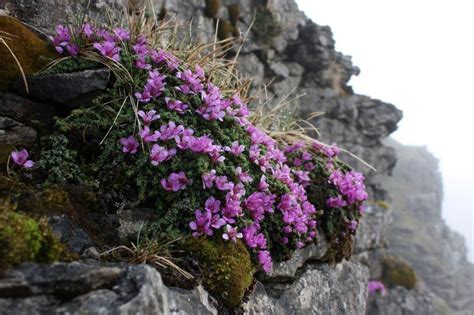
(32, 52)
(24, 239)
(226, 268)
(396, 272)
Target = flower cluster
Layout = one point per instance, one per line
(253, 190)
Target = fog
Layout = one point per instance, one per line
(419, 56)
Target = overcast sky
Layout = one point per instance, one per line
(419, 56)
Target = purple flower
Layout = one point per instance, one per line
(262, 185)
(336, 202)
(130, 145)
(148, 117)
(73, 49)
(252, 238)
(202, 224)
(231, 234)
(148, 136)
(121, 34)
(175, 182)
(222, 183)
(213, 204)
(376, 286)
(217, 222)
(176, 105)
(353, 225)
(153, 88)
(244, 177)
(235, 148)
(108, 49)
(21, 159)
(351, 185)
(87, 30)
(265, 260)
(159, 154)
(208, 179)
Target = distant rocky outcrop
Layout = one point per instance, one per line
(301, 59)
(420, 235)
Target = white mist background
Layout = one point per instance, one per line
(419, 56)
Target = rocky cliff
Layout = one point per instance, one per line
(299, 58)
(437, 253)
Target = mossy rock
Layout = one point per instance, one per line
(24, 239)
(212, 7)
(32, 52)
(396, 272)
(226, 268)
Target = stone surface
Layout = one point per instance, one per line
(74, 237)
(319, 290)
(25, 111)
(436, 253)
(71, 89)
(400, 301)
(77, 288)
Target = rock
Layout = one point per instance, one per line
(400, 301)
(288, 269)
(77, 288)
(25, 111)
(71, 89)
(318, 290)
(132, 221)
(74, 237)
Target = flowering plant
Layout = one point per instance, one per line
(181, 140)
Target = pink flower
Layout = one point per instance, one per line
(208, 179)
(148, 117)
(130, 145)
(336, 202)
(121, 34)
(87, 30)
(353, 225)
(175, 182)
(231, 234)
(159, 154)
(153, 88)
(223, 184)
(376, 286)
(21, 159)
(148, 136)
(235, 148)
(202, 224)
(265, 260)
(244, 177)
(262, 185)
(108, 49)
(176, 105)
(213, 204)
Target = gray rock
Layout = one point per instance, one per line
(25, 111)
(318, 290)
(288, 269)
(400, 301)
(132, 221)
(74, 237)
(78, 288)
(71, 89)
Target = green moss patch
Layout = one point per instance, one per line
(396, 272)
(226, 268)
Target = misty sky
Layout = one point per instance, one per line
(419, 56)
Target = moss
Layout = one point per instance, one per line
(225, 30)
(226, 268)
(212, 7)
(32, 52)
(234, 13)
(24, 239)
(396, 272)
